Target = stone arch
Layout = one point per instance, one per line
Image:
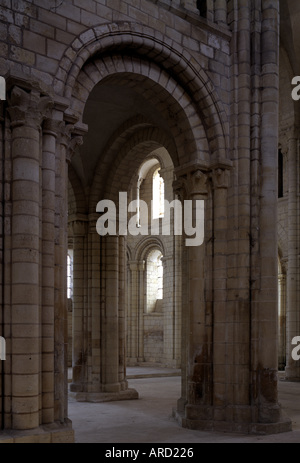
(151, 46)
(126, 143)
(153, 332)
(147, 245)
(157, 88)
(132, 153)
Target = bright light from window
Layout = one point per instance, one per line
(158, 195)
(160, 278)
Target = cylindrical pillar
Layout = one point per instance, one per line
(48, 219)
(26, 113)
(60, 278)
(282, 321)
(141, 310)
(94, 376)
(264, 327)
(122, 315)
(110, 320)
(224, 323)
(293, 280)
(132, 323)
(196, 400)
(78, 335)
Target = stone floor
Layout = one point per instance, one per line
(149, 419)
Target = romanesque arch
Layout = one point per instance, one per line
(207, 93)
(145, 43)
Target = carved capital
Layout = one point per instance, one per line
(220, 178)
(78, 227)
(52, 127)
(28, 108)
(193, 184)
(74, 142)
(70, 140)
(180, 188)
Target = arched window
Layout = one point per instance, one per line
(160, 278)
(158, 205)
(154, 279)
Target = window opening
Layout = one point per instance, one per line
(158, 195)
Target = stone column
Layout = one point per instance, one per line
(178, 273)
(266, 411)
(293, 272)
(122, 314)
(136, 313)
(113, 384)
(282, 321)
(109, 322)
(99, 348)
(196, 321)
(64, 152)
(223, 318)
(133, 315)
(141, 310)
(79, 231)
(27, 110)
(94, 298)
(2, 267)
(50, 131)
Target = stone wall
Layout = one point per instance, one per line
(93, 88)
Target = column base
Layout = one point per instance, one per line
(292, 374)
(214, 425)
(99, 397)
(55, 433)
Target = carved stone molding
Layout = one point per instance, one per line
(78, 227)
(76, 141)
(52, 127)
(220, 178)
(70, 139)
(28, 107)
(193, 184)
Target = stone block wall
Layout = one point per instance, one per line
(209, 88)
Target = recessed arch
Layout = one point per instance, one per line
(146, 245)
(146, 43)
(167, 104)
(129, 153)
